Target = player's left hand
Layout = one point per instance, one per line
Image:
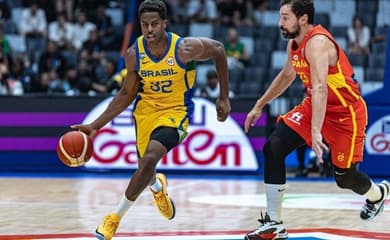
(223, 108)
(318, 146)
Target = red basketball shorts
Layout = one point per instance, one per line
(343, 129)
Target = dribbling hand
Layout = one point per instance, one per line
(86, 128)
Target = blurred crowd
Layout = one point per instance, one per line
(73, 47)
(60, 46)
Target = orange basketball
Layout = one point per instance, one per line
(74, 148)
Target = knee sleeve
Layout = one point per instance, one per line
(281, 142)
(274, 165)
(351, 178)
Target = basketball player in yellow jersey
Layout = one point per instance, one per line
(160, 77)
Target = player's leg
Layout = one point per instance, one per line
(301, 170)
(169, 137)
(280, 143)
(162, 139)
(359, 182)
(346, 141)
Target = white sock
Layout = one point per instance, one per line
(156, 186)
(373, 194)
(123, 206)
(274, 195)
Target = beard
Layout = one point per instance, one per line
(291, 34)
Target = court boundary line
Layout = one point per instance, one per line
(343, 232)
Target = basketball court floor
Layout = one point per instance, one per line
(39, 206)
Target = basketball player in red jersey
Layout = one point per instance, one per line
(332, 117)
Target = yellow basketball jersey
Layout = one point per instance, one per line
(166, 83)
(165, 91)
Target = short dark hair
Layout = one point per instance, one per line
(153, 6)
(300, 8)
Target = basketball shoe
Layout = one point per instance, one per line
(268, 230)
(372, 209)
(164, 204)
(107, 229)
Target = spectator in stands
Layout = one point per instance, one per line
(260, 7)
(102, 84)
(115, 83)
(51, 67)
(92, 48)
(66, 7)
(380, 36)
(5, 18)
(85, 77)
(22, 74)
(179, 10)
(211, 90)
(92, 51)
(89, 6)
(235, 50)
(203, 11)
(61, 32)
(81, 30)
(33, 26)
(4, 10)
(5, 46)
(71, 79)
(358, 37)
(105, 29)
(234, 13)
(8, 85)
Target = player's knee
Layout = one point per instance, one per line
(345, 178)
(148, 162)
(273, 148)
(269, 148)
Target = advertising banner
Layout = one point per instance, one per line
(210, 144)
(30, 128)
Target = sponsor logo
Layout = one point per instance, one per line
(378, 137)
(343, 119)
(296, 117)
(207, 146)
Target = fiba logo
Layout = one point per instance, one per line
(170, 61)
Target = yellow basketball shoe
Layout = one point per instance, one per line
(107, 229)
(164, 204)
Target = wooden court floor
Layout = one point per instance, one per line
(74, 206)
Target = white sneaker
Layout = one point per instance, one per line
(268, 230)
(372, 209)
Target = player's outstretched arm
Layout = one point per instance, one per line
(202, 49)
(120, 102)
(279, 84)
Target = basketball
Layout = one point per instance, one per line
(74, 148)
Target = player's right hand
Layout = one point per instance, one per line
(252, 118)
(86, 128)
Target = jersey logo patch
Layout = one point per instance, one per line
(170, 61)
